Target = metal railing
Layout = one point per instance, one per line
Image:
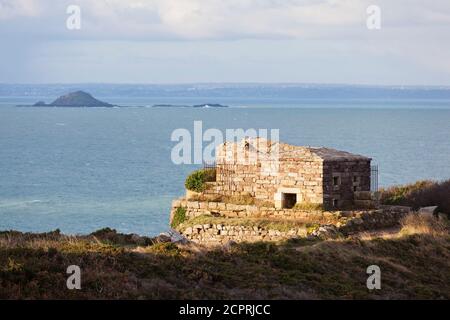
(209, 165)
(374, 178)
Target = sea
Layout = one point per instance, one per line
(82, 169)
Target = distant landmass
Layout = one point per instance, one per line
(204, 105)
(75, 99)
(216, 91)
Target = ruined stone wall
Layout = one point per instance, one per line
(219, 234)
(357, 221)
(198, 208)
(352, 176)
(383, 217)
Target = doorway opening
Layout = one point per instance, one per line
(289, 200)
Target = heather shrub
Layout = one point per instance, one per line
(419, 194)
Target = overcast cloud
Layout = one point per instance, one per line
(156, 41)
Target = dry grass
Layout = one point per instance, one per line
(206, 197)
(33, 266)
(243, 199)
(307, 206)
(425, 225)
(419, 194)
(275, 224)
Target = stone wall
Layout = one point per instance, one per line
(349, 222)
(351, 176)
(252, 172)
(198, 208)
(219, 234)
(255, 170)
(383, 217)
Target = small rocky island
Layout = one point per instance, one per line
(75, 99)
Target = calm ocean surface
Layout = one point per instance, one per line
(80, 169)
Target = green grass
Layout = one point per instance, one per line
(179, 217)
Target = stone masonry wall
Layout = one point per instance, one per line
(215, 234)
(219, 234)
(351, 175)
(304, 176)
(296, 170)
(198, 208)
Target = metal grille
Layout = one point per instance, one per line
(209, 165)
(374, 178)
(227, 172)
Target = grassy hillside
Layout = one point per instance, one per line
(415, 264)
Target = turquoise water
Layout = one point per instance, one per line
(83, 169)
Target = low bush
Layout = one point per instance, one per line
(419, 194)
(196, 181)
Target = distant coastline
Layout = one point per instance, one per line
(204, 105)
(221, 91)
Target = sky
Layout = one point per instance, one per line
(204, 41)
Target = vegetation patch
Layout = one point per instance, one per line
(178, 217)
(414, 266)
(308, 206)
(274, 224)
(419, 194)
(243, 199)
(196, 181)
(420, 224)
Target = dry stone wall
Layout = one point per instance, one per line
(217, 234)
(220, 234)
(198, 208)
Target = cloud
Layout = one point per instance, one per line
(324, 33)
(222, 19)
(19, 8)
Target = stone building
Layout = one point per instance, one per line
(285, 174)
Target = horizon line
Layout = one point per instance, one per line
(324, 84)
